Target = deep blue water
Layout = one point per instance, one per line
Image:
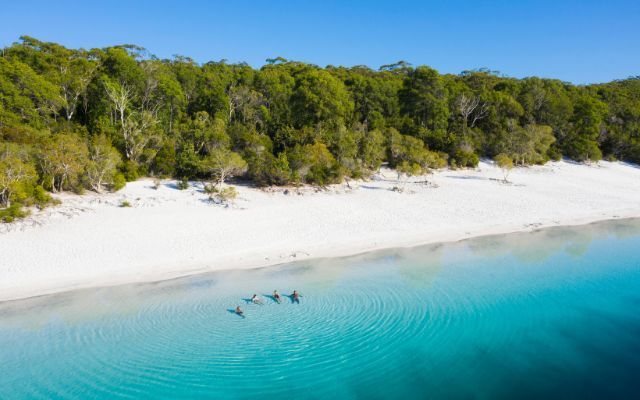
(549, 314)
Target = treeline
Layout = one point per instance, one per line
(92, 119)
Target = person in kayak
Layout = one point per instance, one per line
(295, 297)
(256, 300)
(239, 311)
(276, 296)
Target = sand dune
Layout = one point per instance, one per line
(90, 241)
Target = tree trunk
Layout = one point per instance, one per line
(221, 180)
(4, 198)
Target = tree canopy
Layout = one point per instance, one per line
(75, 118)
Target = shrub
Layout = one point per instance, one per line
(165, 160)
(228, 194)
(554, 153)
(78, 189)
(129, 170)
(313, 163)
(408, 150)
(125, 203)
(221, 196)
(188, 163)
(119, 182)
(41, 198)
(505, 163)
(210, 188)
(270, 170)
(183, 184)
(464, 158)
(585, 150)
(12, 213)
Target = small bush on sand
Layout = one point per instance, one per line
(221, 196)
(183, 184)
(125, 203)
(505, 163)
(12, 213)
(228, 194)
(210, 188)
(119, 182)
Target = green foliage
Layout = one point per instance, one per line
(164, 163)
(187, 162)
(423, 98)
(70, 116)
(129, 170)
(464, 157)
(582, 142)
(319, 97)
(409, 168)
(531, 144)
(372, 150)
(12, 213)
(583, 149)
(313, 163)
(103, 160)
(183, 184)
(407, 152)
(125, 204)
(223, 163)
(119, 182)
(63, 160)
(41, 198)
(554, 153)
(16, 179)
(223, 195)
(505, 163)
(270, 170)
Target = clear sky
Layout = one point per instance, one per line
(580, 41)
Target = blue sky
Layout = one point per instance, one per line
(578, 41)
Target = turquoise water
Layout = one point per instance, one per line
(555, 313)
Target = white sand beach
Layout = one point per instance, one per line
(89, 240)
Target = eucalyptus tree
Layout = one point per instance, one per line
(63, 160)
(223, 164)
(14, 172)
(319, 98)
(103, 161)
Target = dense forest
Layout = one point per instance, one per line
(93, 119)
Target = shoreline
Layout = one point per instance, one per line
(273, 228)
(191, 273)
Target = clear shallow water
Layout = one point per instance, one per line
(554, 313)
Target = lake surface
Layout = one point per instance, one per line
(554, 313)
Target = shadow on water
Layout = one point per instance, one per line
(233, 311)
(292, 299)
(272, 298)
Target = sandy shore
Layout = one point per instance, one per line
(90, 241)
